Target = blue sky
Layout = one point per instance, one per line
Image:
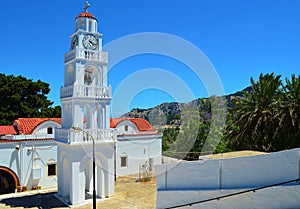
(241, 39)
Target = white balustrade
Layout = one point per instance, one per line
(70, 136)
(86, 54)
(66, 92)
(86, 91)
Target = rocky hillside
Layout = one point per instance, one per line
(169, 113)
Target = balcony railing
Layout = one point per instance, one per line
(86, 54)
(70, 137)
(28, 137)
(85, 91)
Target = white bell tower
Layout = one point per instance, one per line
(85, 100)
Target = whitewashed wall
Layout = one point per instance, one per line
(75, 170)
(131, 128)
(217, 175)
(139, 149)
(31, 155)
(10, 157)
(42, 128)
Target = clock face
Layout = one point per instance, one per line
(74, 42)
(90, 42)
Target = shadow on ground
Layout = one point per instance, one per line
(42, 201)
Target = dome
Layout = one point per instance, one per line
(86, 14)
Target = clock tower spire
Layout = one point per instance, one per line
(85, 99)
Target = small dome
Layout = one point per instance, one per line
(86, 14)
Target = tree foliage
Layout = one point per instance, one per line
(197, 131)
(264, 117)
(288, 129)
(22, 97)
(267, 118)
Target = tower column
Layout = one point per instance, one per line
(77, 184)
(100, 182)
(107, 116)
(109, 178)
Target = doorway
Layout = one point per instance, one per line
(8, 180)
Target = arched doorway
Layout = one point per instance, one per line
(8, 180)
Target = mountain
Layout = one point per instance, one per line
(169, 113)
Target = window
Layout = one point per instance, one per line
(126, 127)
(124, 161)
(49, 130)
(51, 169)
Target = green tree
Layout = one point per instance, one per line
(255, 115)
(169, 137)
(22, 97)
(288, 129)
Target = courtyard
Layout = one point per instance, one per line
(128, 194)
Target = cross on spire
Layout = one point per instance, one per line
(87, 5)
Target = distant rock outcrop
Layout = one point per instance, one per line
(168, 113)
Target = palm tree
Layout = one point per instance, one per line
(288, 129)
(255, 115)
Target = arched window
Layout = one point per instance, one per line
(126, 127)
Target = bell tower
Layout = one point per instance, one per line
(85, 78)
(85, 99)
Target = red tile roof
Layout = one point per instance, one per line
(140, 123)
(86, 14)
(27, 125)
(7, 130)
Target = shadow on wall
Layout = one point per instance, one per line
(15, 157)
(45, 201)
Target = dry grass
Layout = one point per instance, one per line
(236, 154)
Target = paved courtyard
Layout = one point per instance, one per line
(128, 194)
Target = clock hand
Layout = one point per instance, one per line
(93, 43)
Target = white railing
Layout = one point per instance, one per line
(28, 137)
(86, 54)
(85, 91)
(70, 136)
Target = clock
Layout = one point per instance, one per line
(90, 42)
(74, 42)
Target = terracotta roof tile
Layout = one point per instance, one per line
(7, 130)
(141, 124)
(86, 14)
(27, 125)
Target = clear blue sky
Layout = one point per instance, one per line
(240, 38)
